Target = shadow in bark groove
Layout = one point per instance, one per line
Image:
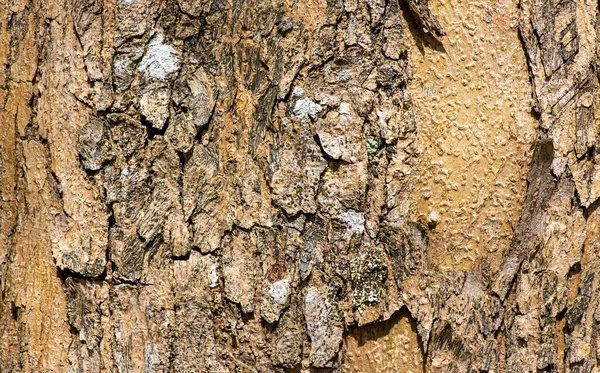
(390, 345)
(422, 39)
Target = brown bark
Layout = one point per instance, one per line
(299, 186)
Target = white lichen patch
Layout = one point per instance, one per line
(298, 92)
(305, 108)
(280, 291)
(160, 60)
(559, 164)
(355, 221)
(213, 276)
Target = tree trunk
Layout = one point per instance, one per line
(299, 186)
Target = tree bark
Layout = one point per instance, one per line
(299, 186)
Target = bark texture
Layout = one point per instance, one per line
(299, 186)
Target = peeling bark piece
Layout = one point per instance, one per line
(128, 134)
(182, 131)
(296, 172)
(323, 327)
(206, 198)
(82, 253)
(532, 220)
(197, 294)
(142, 338)
(420, 8)
(127, 253)
(154, 214)
(83, 310)
(340, 134)
(288, 344)
(87, 16)
(202, 96)
(154, 103)
(192, 7)
(240, 264)
(343, 188)
(586, 175)
(124, 69)
(94, 144)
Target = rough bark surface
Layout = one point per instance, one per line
(299, 186)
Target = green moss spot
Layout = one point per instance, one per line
(372, 146)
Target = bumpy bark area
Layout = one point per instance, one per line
(299, 186)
